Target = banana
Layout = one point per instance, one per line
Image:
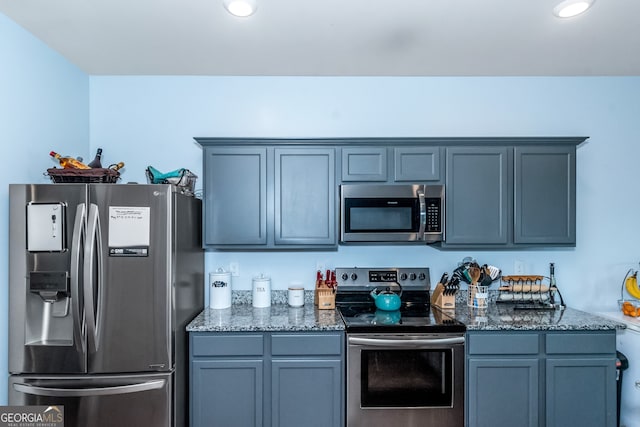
(631, 284)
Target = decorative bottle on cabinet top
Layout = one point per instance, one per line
(96, 163)
(68, 162)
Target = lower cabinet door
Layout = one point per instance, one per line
(581, 392)
(306, 393)
(503, 392)
(226, 393)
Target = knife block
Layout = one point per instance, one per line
(438, 298)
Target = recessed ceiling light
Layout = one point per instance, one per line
(241, 8)
(570, 8)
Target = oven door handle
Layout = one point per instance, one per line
(422, 342)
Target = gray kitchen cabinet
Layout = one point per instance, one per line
(267, 379)
(510, 196)
(477, 195)
(364, 164)
(416, 164)
(539, 378)
(391, 164)
(233, 390)
(580, 379)
(226, 380)
(545, 195)
(235, 196)
(305, 197)
(282, 193)
(269, 198)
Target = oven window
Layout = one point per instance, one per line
(407, 378)
(394, 215)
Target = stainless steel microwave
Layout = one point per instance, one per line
(391, 213)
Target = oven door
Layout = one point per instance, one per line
(407, 380)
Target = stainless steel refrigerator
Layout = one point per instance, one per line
(103, 279)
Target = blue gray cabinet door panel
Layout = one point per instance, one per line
(364, 164)
(226, 393)
(477, 195)
(416, 164)
(305, 196)
(581, 392)
(306, 392)
(503, 392)
(545, 202)
(235, 206)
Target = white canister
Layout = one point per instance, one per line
(296, 295)
(220, 289)
(261, 291)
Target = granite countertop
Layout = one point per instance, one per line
(278, 317)
(243, 317)
(503, 317)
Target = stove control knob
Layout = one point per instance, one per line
(344, 276)
(354, 276)
(422, 276)
(403, 276)
(412, 276)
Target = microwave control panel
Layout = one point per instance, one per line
(434, 215)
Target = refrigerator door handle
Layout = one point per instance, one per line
(96, 391)
(78, 234)
(92, 299)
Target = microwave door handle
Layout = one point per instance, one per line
(77, 307)
(423, 215)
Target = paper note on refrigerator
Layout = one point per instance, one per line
(129, 226)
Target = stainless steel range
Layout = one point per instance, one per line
(406, 366)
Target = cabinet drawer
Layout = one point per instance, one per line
(227, 345)
(581, 343)
(306, 344)
(503, 343)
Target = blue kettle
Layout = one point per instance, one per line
(387, 300)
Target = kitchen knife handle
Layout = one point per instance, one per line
(76, 309)
(94, 391)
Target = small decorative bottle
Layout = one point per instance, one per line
(68, 162)
(96, 163)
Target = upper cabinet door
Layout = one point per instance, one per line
(416, 164)
(477, 195)
(364, 164)
(305, 196)
(235, 206)
(545, 202)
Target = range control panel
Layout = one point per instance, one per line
(359, 277)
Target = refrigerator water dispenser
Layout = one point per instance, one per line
(49, 322)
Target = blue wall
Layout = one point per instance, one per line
(44, 106)
(151, 121)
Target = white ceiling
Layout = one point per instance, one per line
(337, 37)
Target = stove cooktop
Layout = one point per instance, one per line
(360, 314)
(416, 318)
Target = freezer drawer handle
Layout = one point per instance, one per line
(81, 392)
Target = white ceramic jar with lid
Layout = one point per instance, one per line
(296, 294)
(261, 291)
(220, 289)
